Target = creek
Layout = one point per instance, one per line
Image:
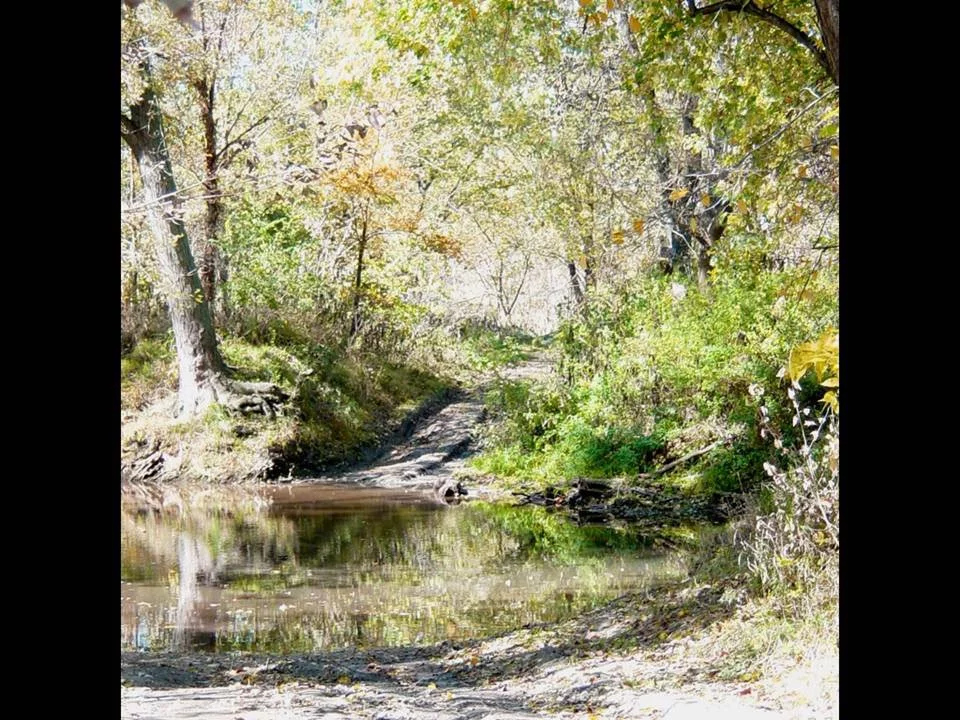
(306, 568)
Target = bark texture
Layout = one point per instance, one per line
(828, 18)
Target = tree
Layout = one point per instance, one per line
(828, 21)
(203, 375)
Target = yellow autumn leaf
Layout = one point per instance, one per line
(611, 4)
(617, 237)
(585, 3)
(679, 194)
(831, 399)
(794, 214)
(821, 355)
(741, 207)
(634, 24)
(835, 152)
(694, 225)
(705, 199)
(638, 225)
(802, 171)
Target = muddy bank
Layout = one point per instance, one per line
(641, 503)
(152, 453)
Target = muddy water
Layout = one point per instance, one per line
(294, 569)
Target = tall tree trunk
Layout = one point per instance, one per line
(358, 280)
(828, 18)
(203, 374)
(503, 299)
(199, 358)
(209, 257)
(578, 295)
(589, 263)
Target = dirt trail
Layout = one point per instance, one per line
(440, 438)
(436, 443)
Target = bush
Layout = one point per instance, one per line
(794, 546)
(636, 364)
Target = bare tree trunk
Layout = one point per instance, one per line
(209, 259)
(501, 292)
(203, 374)
(197, 351)
(358, 280)
(589, 249)
(575, 286)
(828, 18)
(503, 300)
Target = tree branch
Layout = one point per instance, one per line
(685, 458)
(239, 137)
(751, 8)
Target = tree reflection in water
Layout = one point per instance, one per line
(380, 569)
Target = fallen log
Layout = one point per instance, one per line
(686, 458)
(449, 490)
(587, 491)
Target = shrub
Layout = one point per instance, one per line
(794, 546)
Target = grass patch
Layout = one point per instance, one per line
(150, 368)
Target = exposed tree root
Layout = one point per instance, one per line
(251, 398)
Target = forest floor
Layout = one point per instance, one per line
(697, 649)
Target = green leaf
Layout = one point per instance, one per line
(828, 131)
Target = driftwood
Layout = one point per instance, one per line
(587, 491)
(449, 490)
(550, 497)
(580, 494)
(686, 458)
(648, 506)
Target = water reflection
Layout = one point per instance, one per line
(321, 568)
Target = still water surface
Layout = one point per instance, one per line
(306, 568)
